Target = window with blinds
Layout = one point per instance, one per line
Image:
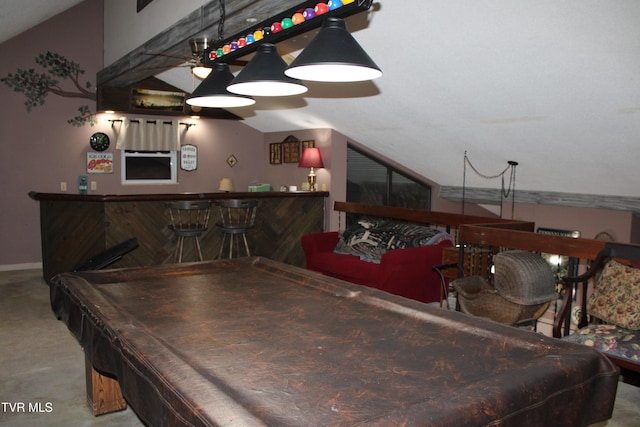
(372, 181)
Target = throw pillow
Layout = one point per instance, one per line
(616, 296)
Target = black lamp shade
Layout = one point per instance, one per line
(264, 76)
(213, 93)
(333, 56)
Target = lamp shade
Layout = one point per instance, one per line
(213, 93)
(311, 158)
(333, 56)
(264, 76)
(226, 184)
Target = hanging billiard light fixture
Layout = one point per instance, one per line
(264, 76)
(213, 93)
(333, 56)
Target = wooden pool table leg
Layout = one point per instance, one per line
(103, 393)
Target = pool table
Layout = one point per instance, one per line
(252, 341)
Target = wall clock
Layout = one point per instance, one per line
(99, 141)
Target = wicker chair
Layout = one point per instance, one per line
(523, 287)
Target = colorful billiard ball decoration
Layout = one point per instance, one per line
(334, 4)
(297, 18)
(321, 8)
(309, 13)
(287, 23)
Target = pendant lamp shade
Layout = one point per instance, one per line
(213, 93)
(264, 76)
(333, 56)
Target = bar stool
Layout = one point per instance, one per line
(237, 217)
(188, 219)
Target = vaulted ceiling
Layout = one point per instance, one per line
(552, 85)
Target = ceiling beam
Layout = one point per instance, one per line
(166, 50)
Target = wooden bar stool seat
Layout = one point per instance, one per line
(188, 219)
(237, 217)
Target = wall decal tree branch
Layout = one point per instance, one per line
(36, 86)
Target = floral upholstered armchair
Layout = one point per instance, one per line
(610, 313)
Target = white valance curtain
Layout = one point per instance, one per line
(149, 135)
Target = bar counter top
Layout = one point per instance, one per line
(165, 197)
(76, 227)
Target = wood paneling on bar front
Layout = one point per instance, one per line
(74, 228)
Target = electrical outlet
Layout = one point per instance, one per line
(94, 186)
(63, 185)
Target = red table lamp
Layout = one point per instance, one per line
(311, 158)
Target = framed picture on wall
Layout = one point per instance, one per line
(157, 100)
(99, 162)
(291, 152)
(188, 157)
(275, 153)
(308, 144)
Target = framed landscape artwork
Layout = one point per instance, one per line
(157, 100)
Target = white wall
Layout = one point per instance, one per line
(125, 30)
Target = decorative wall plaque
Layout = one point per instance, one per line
(188, 157)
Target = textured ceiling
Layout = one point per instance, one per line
(17, 16)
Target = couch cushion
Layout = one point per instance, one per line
(370, 239)
(609, 339)
(347, 267)
(616, 296)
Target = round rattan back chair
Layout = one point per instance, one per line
(523, 287)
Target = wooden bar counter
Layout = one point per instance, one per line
(77, 227)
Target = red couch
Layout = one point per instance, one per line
(406, 272)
